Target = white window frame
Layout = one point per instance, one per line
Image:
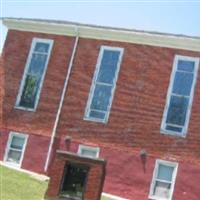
(28, 61)
(8, 147)
(88, 148)
(155, 173)
(92, 88)
(172, 78)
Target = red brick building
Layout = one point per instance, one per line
(123, 104)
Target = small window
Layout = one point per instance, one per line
(180, 94)
(15, 148)
(34, 73)
(163, 180)
(103, 85)
(87, 151)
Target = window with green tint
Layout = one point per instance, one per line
(34, 73)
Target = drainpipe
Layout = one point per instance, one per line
(61, 102)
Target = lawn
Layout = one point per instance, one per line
(16, 185)
(20, 186)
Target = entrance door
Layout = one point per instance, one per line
(74, 181)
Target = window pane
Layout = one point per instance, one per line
(37, 64)
(165, 172)
(17, 142)
(41, 47)
(162, 189)
(182, 83)
(29, 92)
(177, 110)
(88, 153)
(97, 114)
(108, 66)
(101, 97)
(14, 156)
(185, 65)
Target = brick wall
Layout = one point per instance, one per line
(135, 116)
(138, 103)
(16, 50)
(137, 106)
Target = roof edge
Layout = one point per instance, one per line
(104, 33)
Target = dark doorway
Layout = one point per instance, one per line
(74, 181)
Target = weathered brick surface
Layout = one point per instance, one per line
(134, 121)
(137, 106)
(56, 172)
(125, 176)
(36, 153)
(138, 102)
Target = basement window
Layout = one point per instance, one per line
(34, 74)
(88, 151)
(15, 149)
(104, 83)
(180, 95)
(163, 181)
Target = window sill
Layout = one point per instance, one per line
(152, 197)
(171, 133)
(95, 120)
(25, 109)
(11, 164)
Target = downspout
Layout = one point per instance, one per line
(61, 102)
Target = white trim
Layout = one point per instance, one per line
(88, 148)
(166, 163)
(113, 197)
(34, 42)
(61, 102)
(12, 133)
(169, 93)
(94, 83)
(105, 33)
(32, 174)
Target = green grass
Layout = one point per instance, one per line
(16, 185)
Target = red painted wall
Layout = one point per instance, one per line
(3, 142)
(35, 153)
(125, 175)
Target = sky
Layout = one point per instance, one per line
(171, 16)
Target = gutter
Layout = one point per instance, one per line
(61, 101)
(105, 33)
